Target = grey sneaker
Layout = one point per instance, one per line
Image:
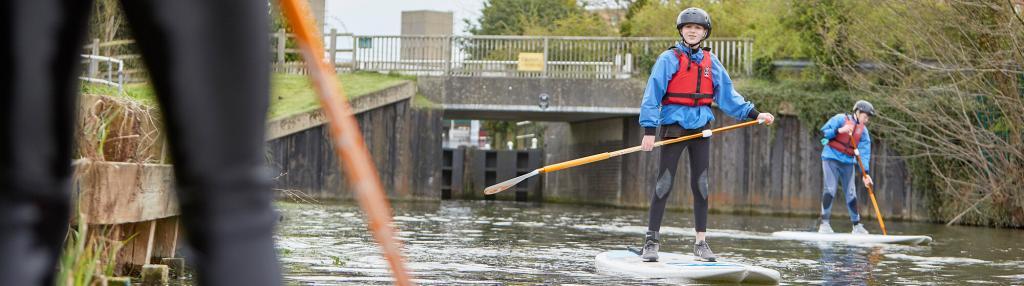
(859, 229)
(703, 251)
(650, 251)
(825, 227)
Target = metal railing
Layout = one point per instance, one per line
(560, 57)
(123, 52)
(480, 56)
(93, 73)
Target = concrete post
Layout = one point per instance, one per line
(544, 73)
(448, 55)
(176, 265)
(149, 241)
(119, 281)
(93, 65)
(334, 46)
(155, 274)
(111, 281)
(355, 53)
(281, 40)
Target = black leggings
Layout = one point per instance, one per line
(208, 63)
(700, 150)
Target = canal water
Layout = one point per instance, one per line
(509, 243)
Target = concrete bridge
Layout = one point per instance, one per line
(538, 99)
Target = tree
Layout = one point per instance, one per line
(658, 19)
(821, 26)
(626, 29)
(579, 24)
(511, 17)
(948, 80)
(728, 18)
(655, 19)
(108, 24)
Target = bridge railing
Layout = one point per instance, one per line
(479, 56)
(521, 56)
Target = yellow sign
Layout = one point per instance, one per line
(531, 62)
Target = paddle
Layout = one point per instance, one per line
(594, 158)
(346, 137)
(871, 192)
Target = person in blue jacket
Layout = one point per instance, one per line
(845, 136)
(685, 80)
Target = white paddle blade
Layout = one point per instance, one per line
(497, 188)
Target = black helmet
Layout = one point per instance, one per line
(864, 106)
(696, 16)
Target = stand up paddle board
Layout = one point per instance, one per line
(685, 267)
(853, 238)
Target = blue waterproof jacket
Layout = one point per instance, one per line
(864, 146)
(653, 114)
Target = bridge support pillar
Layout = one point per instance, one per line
(611, 181)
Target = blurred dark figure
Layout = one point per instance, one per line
(209, 66)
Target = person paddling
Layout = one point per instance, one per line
(843, 134)
(685, 80)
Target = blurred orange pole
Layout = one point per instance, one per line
(346, 137)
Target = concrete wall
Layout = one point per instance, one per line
(503, 98)
(756, 169)
(599, 182)
(404, 141)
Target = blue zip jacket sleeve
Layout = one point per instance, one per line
(827, 153)
(653, 114)
(657, 83)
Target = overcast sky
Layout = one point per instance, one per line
(384, 17)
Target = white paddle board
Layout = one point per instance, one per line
(685, 267)
(853, 238)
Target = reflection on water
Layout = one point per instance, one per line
(841, 265)
(488, 243)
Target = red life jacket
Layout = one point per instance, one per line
(692, 84)
(845, 143)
